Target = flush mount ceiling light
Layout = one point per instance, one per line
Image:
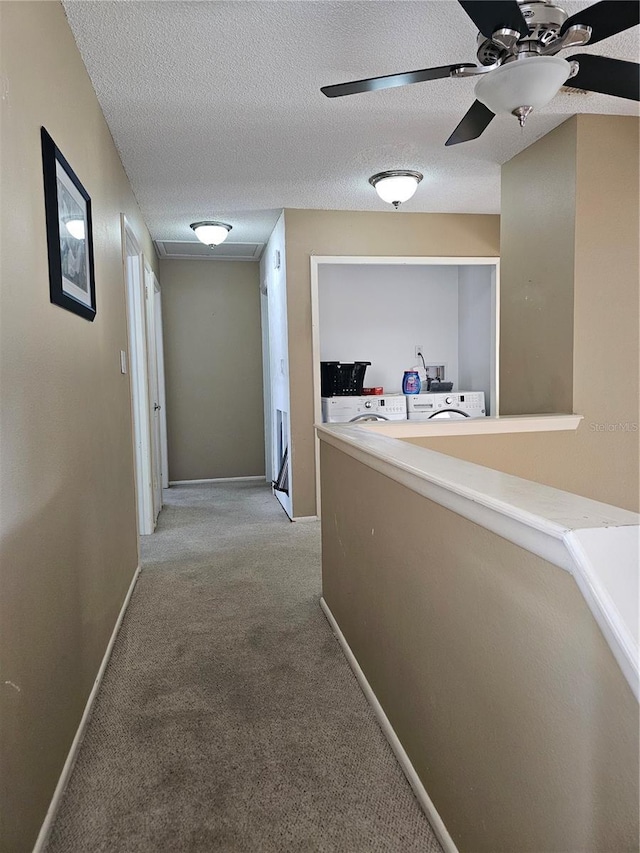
(395, 186)
(211, 233)
(524, 85)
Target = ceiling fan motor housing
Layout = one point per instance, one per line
(544, 21)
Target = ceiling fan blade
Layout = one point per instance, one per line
(608, 76)
(606, 18)
(492, 15)
(371, 84)
(475, 122)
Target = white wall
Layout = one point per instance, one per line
(275, 342)
(378, 313)
(474, 324)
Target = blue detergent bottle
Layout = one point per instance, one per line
(411, 381)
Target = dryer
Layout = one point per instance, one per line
(449, 405)
(342, 410)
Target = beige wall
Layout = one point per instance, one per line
(490, 667)
(569, 339)
(69, 544)
(213, 364)
(606, 352)
(554, 459)
(545, 458)
(330, 232)
(537, 227)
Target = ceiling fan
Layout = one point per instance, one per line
(519, 68)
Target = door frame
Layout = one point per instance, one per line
(318, 260)
(134, 275)
(270, 474)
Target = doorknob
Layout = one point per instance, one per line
(156, 406)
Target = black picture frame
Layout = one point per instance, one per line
(69, 234)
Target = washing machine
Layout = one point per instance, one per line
(451, 405)
(342, 410)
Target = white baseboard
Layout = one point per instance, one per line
(54, 805)
(217, 480)
(403, 759)
(305, 518)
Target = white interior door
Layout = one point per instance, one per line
(153, 386)
(164, 448)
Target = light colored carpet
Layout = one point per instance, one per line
(228, 719)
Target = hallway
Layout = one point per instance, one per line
(228, 718)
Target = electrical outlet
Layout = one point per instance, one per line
(419, 350)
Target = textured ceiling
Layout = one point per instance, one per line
(216, 109)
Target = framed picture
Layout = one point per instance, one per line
(69, 234)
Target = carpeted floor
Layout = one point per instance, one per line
(228, 719)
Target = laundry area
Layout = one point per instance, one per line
(410, 339)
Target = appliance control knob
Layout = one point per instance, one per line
(448, 400)
(367, 404)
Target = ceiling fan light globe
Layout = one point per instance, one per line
(211, 233)
(396, 187)
(531, 82)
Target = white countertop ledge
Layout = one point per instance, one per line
(597, 543)
(474, 426)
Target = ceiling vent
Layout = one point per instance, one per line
(189, 249)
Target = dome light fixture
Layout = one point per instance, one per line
(211, 233)
(395, 186)
(523, 85)
(75, 227)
